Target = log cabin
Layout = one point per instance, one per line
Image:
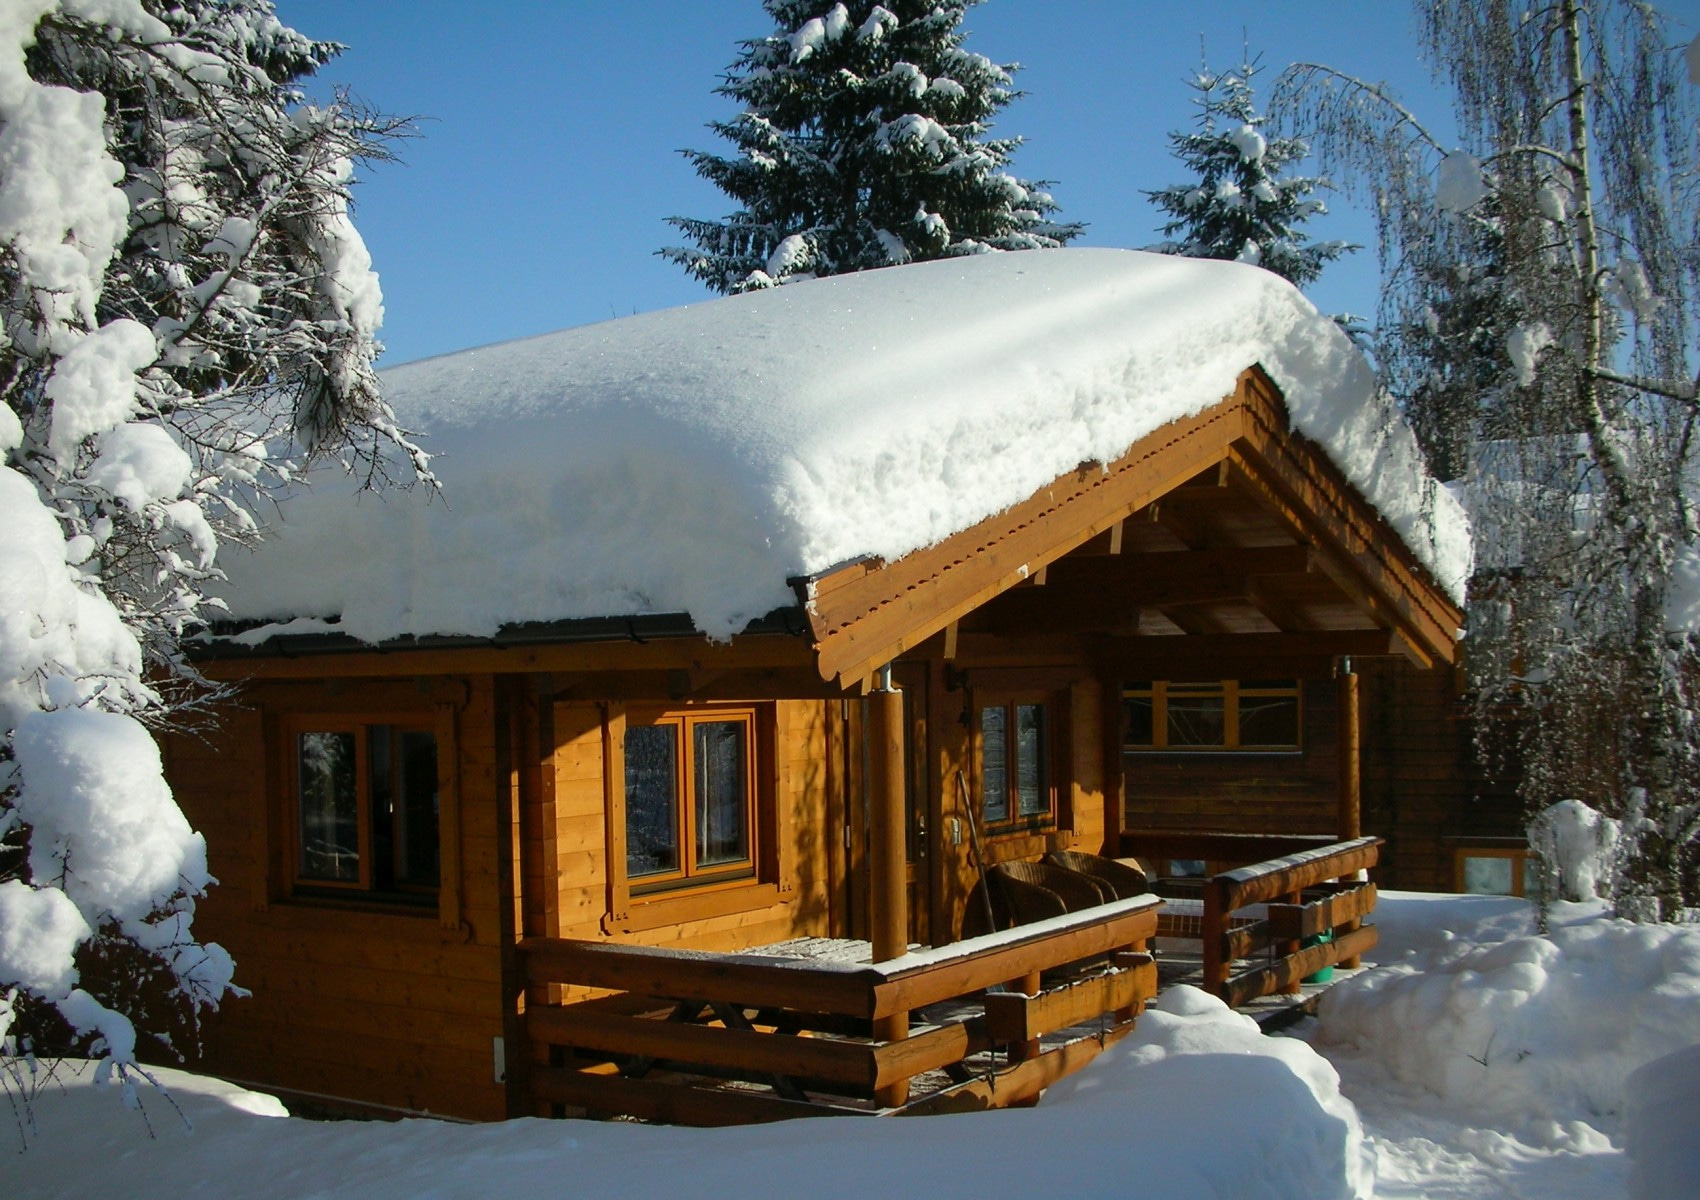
(681, 738)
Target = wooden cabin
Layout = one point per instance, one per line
(597, 862)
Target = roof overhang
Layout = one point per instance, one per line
(1223, 541)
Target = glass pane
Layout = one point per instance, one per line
(380, 814)
(1031, 790)
(994, 759)
(1269, 721)
(330, 808)
(652, 817)
(1141, 726)
(723, 834)
(415, 810)
(1488, 876)
(1197, 719)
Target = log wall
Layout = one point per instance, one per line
(384, 1006)
(1424, 789)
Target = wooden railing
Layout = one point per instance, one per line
(803, 1028)
(1314, 907)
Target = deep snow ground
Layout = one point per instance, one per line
(1385, 1095)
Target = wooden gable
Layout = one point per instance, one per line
(1224, 541)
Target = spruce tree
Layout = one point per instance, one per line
(187, 316)
(1242, 206)
(863, 143)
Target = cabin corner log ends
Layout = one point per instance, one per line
(817, 1035)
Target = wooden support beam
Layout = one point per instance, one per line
(1350, 824)
(886, 859)
(1351, 782)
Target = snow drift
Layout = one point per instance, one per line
(696, 459)
(1147, 1120)
(1533, 1035)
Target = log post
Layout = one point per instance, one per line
(1287, 949)
(1351, 783)
(1351, 794)
(1214, 928)
(886, 857)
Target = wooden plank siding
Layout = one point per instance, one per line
(378, 1004)
(1425, 789)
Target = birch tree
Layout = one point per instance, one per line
(1539, 322)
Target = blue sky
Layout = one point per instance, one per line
(546, 158)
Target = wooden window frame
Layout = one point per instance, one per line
(636, 903)
(689, 873)
(1053, 705)
(1232, 690)
(444, 897)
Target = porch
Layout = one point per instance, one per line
(812, 1027)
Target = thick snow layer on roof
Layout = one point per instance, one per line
(693, 460)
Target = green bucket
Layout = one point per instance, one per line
(1325, 975)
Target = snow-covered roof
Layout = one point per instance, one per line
(696, 459)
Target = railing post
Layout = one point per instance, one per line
(1351, 780)
(1288, 948)
(1214, 927)
(886, 858)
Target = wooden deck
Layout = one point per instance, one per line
(794, 1029)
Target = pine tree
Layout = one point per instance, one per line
(187, 314)
(1242, 206)
(863, 143)
(1569, 373)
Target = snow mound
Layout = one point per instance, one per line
(1537, 1035)
(693, 460)
(1292, 1130)
(1663, 1113)
(1200, 1105)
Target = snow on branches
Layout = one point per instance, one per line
(185, 309)
(863, 143)
(1242, 205)
(1539, 326)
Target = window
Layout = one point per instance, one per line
(1258, 715)
(690, 798)
(366, 807)
(1014, 749)
(1491, 871)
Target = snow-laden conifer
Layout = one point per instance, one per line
(1242, 204)
(1539, 323)
(186, 313)
(863, 142)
